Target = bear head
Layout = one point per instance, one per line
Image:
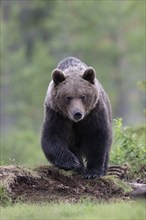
(73, 94)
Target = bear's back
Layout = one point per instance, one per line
(71, 63)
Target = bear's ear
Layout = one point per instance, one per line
(57, 76)
(89, 75)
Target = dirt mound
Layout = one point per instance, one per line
(46, 183)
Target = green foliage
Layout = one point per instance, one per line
(84, 210)
(4, 198)
(129, 147)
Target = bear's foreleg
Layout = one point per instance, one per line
(97, 158)
(56, 152)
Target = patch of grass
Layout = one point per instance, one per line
(119, 183)
(4, 198)
(84, 210)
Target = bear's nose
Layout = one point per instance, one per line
(77, 115)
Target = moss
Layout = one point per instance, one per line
(119, 183)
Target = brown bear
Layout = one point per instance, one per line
(78, 120)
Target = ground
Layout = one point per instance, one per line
(47, 184)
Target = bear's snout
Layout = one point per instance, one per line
(77, 115)
(75, 110)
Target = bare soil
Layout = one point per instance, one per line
(46, 183)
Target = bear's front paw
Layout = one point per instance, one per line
(92, 174)
(70, 164)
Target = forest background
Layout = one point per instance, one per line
(36, 34)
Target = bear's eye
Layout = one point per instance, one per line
(68, 99)
(83, 97)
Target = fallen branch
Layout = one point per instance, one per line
(137, 185)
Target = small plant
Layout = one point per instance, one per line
(129, 147)
(4, 198)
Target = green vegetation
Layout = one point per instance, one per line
(4, 198)
(129, 148)
(118, 183)
(84, 210)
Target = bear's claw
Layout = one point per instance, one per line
(93, 174)
(72, 164)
